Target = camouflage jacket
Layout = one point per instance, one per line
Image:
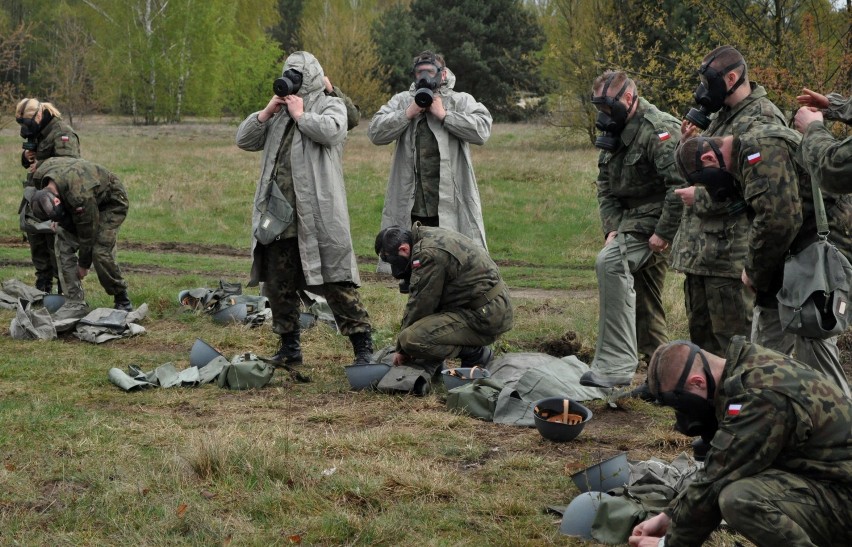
(88, 193)
(451, 272)
(768, 165)
(773, 412)
(57, 139)
(636, 181)
(712, 238)
(829, 160)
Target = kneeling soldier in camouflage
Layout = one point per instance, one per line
(779, 470)
(458, 303)
(88, 204)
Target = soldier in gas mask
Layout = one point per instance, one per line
(458, 303)
(640, 214)
(431, 179)
(828, 159)
(711, 244)
(780, 462)
(46, 135)
(87, 204)
(300, 220)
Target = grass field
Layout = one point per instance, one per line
(87, 464)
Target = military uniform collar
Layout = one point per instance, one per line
(633, 125)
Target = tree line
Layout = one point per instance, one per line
(161, 60)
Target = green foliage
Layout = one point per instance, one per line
(286, 32)
(339, 36)
(490, 45)
(251, 69)
(397, 40)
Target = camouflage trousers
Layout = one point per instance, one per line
(284, 278)
(775, 507)
(648, 283)
(821, 355)
(717, 308)
(616, 352)
(103, 258)
(443, 335)
(43, 257)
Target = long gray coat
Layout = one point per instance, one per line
(467, 121)
(322, 214)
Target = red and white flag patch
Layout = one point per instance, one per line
(65, 138)
(754, 158)
(664, 136)
(415, 264)
(734, 410)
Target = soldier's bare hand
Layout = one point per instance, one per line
(643, 541)
(295, 106)
(82, 272)
(688, 130)
(657, 244)
(413, 111)
(274, 106)
(812, 98)
(747, 281)
(437, 108)
(805, 116)
(609, 237)
(655, 527)
(400, 358)
(327, 84)
(686, 195)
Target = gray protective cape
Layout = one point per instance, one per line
(322, 217)
(467, 121)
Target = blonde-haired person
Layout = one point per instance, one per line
(46, 135)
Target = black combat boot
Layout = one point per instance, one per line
(44, 285)
(362, 344)
(472, 356)
(122, 301)
(290, 351)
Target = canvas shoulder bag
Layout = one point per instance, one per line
(814, 299)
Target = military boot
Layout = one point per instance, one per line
(44, 285)
(362, 344)
(472, 356)
(290, 351)
(122, 301)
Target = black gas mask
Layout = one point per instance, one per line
(400, 266)
(30, 128)
(44, 206)
(611, 125)
(425, 84)
(696, 415)
(288, 84)
(711, 93)
(720, 184)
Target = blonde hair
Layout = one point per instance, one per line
(29, 107)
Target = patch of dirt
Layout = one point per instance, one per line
(567, 344)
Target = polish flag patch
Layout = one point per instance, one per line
(734, 410)
(415, 264)
(754, 158)
(65, 138)
(664, 136)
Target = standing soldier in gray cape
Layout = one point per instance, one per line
(711, 243)
(47, 136)
(88, 205)
(828, 160)
(431, 178)
(300, 219)
(779, 470)
(458, 302)
(639, 214)
(762, 164)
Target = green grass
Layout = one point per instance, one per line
(87, 464)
